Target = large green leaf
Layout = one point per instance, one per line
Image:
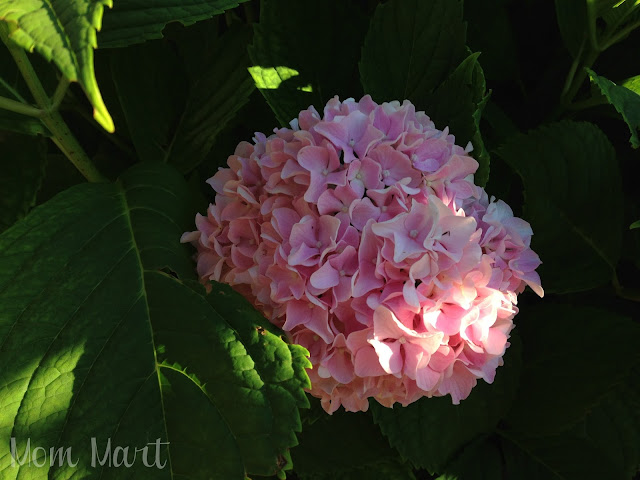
(614, 426)
(151, 108)
(632, 84)
(96, 342)
(62, 31)
(573, 201)
(605, 444)
(358, 447)
(135, 21)
(431, 431)
(547, 402)
(411, 48)
(384, 469)
(572, 20)
(482, 460)
(22, 166)
(458, 103)
(222, 87)
(280, 366)
(625, 101)
(304, 53)
(177, 117)
(559, 457)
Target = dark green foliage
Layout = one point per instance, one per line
(105, 333)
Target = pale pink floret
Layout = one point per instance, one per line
(362, 235)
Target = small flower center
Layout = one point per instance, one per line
(413, 233)
(385, 173)
(318, 244)
(342, 273)
(345, 209)
(311, 305)
(352, 142)
(325, 172)
(384, 208)
(402, 340)
(359, 175)
(316, 337)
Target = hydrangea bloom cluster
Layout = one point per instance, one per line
(363, 236)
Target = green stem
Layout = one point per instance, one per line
(591, 20)
(572, 71)
(60, 92)
(61, 135)
(19, 107)
(578, 79)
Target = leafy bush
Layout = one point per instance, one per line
(109, 345)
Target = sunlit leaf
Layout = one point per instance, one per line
(62, 31)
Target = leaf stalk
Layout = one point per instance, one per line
(19, 107)
(61, 135)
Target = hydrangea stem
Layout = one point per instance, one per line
(19, 107)
(61, 135)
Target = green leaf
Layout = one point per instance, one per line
(298, 62)
(85, 314)
(431, 431)
(547, 403)
(625, 101)
(62, 31)
(359, 445)
(614, 427)
(214, 98)
(634, 225)
(151, 109)
(458, 103)
(280, 366)
(632, 84)
(177, 118)
(255, 116)
(619, 15)
(385, 469)
(22, 166)
(482, 460)
(559, 457)
(411, 48)
(136, 21)
(605, 444)
(572, 20)
(573, 201)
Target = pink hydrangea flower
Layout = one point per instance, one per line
(363, 236)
